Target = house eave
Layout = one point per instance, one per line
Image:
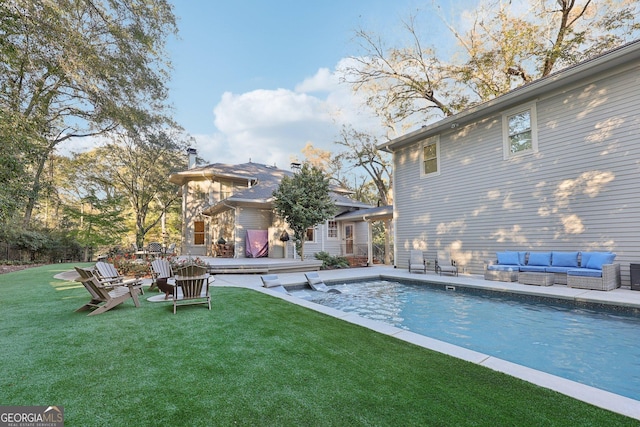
(622, 55)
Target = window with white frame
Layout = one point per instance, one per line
(519, 128)
(332, 229)
(311, 235)
(430, 156)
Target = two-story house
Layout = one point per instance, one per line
(234, 203)
(551, 165)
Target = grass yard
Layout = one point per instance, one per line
(252, 360)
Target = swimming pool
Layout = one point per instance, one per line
(586, 344)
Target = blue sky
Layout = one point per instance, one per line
(254, 80)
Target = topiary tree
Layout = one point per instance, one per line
(303, 201)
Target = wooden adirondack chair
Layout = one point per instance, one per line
(192, 286)
(108, 273)
(161, 269)
(104, 296)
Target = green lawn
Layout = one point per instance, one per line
(251, 360)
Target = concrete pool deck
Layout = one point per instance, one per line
(618, 297)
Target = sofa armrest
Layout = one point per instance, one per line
(611, 274)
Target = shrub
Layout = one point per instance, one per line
(331, 262)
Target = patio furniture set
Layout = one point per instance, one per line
(443, 262)
(584, 270)
(188, 285)
(154, 249)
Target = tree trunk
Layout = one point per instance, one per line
(35, 189)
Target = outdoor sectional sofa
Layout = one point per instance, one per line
(586, 270)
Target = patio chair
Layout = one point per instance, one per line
(417, 261)
(154, 248)
(104, 296)
(108, 273)
(192, 286)
(137, 251)
(271, 281)
(445, 264)
(316, 283)
(170, 250)
(162, 276)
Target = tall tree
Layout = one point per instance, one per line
(138, 165)
(71, 68)
(508, 43)
(303, 201)
(361, 152)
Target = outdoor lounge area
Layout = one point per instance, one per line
(585, 270)
(239, 352)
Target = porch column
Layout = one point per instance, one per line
(369, 244)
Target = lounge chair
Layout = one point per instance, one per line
(192, 286)
(417, 261)
(316, 283)
(108, 273)
(444, 264)
(272, 282)
(104, 296)
(162, 276)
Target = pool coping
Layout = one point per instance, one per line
(595, 396)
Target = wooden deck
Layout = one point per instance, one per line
(259, 265)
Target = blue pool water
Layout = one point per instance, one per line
(596, 347)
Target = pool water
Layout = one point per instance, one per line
(594, 347)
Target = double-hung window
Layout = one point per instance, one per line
(332, 229)
(519, 130)
(430, 156)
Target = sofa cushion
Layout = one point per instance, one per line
(502, 267)
(564, 259)
(508, 258)
(555, 269)
(585, 272)
(540, 258)
(586, 256)
(534, 268)
(596, 260)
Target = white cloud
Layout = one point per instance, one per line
(272, 126)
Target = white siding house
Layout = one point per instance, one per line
(552, 165)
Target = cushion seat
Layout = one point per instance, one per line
(534, 268)
(503, 267)
(557, 269)
(585, 272)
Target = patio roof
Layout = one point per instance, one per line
(379, 213)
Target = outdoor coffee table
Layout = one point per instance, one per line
(535, 278)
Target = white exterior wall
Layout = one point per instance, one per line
(578, 192)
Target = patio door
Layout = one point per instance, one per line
(348, 239)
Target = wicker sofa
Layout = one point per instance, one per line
(585, 270)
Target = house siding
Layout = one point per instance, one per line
(578, 192)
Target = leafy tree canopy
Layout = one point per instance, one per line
(504, 44)
(303, 200)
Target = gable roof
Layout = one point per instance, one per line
(618, 57)
(262, 181)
